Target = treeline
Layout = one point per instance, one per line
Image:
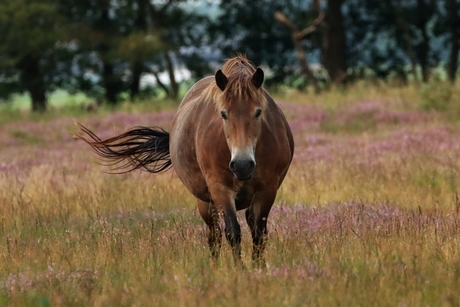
(104, 47)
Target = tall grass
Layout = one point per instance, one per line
(369, 214)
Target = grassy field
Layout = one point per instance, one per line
(369, 214)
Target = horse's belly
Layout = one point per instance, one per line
(184, 162)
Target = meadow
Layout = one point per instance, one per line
(369, 214)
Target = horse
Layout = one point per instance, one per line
(230, 145)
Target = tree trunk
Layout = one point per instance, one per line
(137, 66)
(136, 69)
(333, 42)
(425, 45)
(302, 58)
(32, 80)
(454, 25)
(402, 26)
(110, 83)
(172, 77)
(160, 84)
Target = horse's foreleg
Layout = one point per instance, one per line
(211, 217)
(233, 233)
(259, 233)
(224, 199)
(256, 217)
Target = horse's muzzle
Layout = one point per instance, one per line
(242, 169)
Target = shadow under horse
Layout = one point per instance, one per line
(230, 145)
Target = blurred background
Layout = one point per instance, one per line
(103, 52)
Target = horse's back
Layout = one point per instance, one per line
(182, 139)
(285, 129)
(196, 90)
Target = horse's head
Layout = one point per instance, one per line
(241, 107)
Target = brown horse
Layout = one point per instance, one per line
(229, 144)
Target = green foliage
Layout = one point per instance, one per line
(31, 56)
(26, 137)
(138, 46)
(104, 48)
(357, 123)
(437, 96)
(38, 300)
(99, 48)
(250, 28)
(29, 27)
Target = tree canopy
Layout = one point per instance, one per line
(104, 48)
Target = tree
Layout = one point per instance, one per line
(332, 40)
(313, 30)
(249, 27)
(184, 33)
(118, 41)
(452, 8)
(33, 50)
(297, 36)
(333, 44)
(404, 28)
(421, 15)
(98, 29)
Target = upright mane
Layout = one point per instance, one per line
(239, 72)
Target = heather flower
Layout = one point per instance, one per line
(25, 281)
(355, 217)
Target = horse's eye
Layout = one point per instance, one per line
(223, 114)
(258, 112)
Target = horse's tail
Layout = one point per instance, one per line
(139, 148)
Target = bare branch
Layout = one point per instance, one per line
(312, 28)
(285, 21)
(155, 73)
(293, 28)
(301, 55)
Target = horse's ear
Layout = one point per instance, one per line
(221, 80)
(258, 77)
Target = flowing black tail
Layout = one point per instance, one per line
(139, 148)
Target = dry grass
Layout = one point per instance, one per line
(368, 215)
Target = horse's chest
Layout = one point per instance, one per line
(244, 198)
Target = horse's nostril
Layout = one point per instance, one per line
(232, 166)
